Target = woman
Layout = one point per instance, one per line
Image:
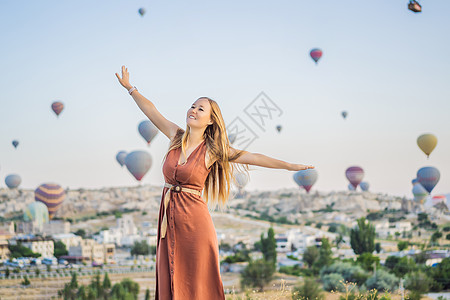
(187, 260)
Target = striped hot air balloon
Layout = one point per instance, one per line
(52, 195)
(428, 177)
(147, 130)
(138, 163)
(57, 107)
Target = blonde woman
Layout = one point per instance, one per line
(199, 157)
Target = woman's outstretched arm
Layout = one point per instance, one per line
(262, 160)
(148, 108)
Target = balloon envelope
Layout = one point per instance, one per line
(241, 180)
(147, 130)
(138, 163)
(36, 212)
(15, 143)
(427, 142)
(344, 114)
(279, 127)
(306, 178)
(364, 185)
(141, 11)
(52, 195)
(120, 157)
(414, 181)
(420, 193)
(316, 54)
(351, 187)
(57, 107)
(13, 181)
(355, 175)
(428, 177)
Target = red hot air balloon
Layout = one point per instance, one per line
(355, 175)
(57, 107)
(52, 195)
(316, 54)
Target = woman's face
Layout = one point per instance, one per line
(198, 116)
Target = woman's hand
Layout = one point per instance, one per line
(297, 167)
(125, 80)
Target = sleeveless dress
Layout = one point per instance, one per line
(187, 259)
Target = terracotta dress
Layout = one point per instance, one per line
(187, 258)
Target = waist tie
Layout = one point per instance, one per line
(177, 189)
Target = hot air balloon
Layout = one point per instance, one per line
(364, 185)
(414, 6)
(351, 187)
(279, 127)
(241, 181)
(52, 195)
(15, 143)
(344, 114)
(316, 54)
(427, 142)
(120, 157)
(306, 178)
(414, 181)
(419, 192)
(141, 11)
(13, 181)
(138, 163)
(147, 130)
(57, 107)
(232, 137)
(37, 213)
(355, 175)
(428, 177)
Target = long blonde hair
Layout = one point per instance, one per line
(218, 183)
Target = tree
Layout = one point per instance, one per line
(258, 273)
(418, 283)
(309, 290)
(367, 260)
(7, 272)
(325, 253)
(147, 294)
(435, 237)
(310, 255)
(140, 248)
(378, 247)
(269, 247)
(402, 245)
(362, 237)
(21, 251)
(441, 274)
(81, 232)
(60, 249)
(26, 281)
(106, 282)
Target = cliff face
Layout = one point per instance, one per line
(286, 202)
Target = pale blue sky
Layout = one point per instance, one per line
(389, 68)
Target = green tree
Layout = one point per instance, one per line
(435, 237)
(81, 232)
(378, 247)
(147, 294)
(310, 255)
(362, 237)
(269, 247)
(367, 261)
(402, 245)
(7, 272)
(441, 275)
(60, 249)
(258, 273)
(325, 253)
(140, 248)
(309, 290)
(26, 281)
(106, 282)
(418, 283)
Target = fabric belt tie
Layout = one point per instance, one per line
(177, 189)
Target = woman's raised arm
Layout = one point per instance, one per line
(262, 160)
(148, 108)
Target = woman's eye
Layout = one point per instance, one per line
(201, 109)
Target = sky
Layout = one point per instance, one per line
(385, 65)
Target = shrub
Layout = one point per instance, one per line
(382, 281)
(333, 282)
(309, 290)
